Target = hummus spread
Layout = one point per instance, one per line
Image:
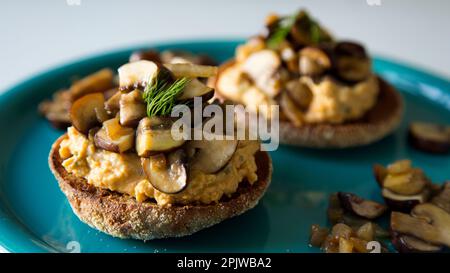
(336, 103)
(123, 172)
(332, 102)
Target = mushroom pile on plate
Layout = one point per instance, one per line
(419, 219)
(353, 227)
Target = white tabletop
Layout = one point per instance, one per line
(36, 35)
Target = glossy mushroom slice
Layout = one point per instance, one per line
(100, 81)
(427, 222)
(112, 105)
(154, 135)
(188, 70)
(409, 244)
(132, 108)
(407, 184)
(87, 112)
(404, 203)
(299, 93)
(313, 61)
(114, 137)
(263, 67)
(361, 207)
(335, 212)
(379, 172)
(352, 62)
(318, 235)
(442, 199)
(429, 137)
(145, 55)
(137, 75)
(57, 109)
(211, 156)
(290, 109)
(177, 56)
(167, 174)
(401, 178)
(195, 88)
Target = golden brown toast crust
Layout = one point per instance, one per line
(380, 121)
(122, 216)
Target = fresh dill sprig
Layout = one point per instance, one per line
(300, 20)
(161, 94)
(282, 30)
(316, 32)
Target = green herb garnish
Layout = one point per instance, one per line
(281, 31)
(308, 27)
(161, 93)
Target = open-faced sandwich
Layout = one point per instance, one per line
(326, 89)
(124, 173)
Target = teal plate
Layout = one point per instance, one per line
(36, 217)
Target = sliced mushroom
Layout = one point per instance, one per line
(154, 136)
(167, 174)
(211, 156)
(366, 231)
(335, 212)
(404, 203)
(361, 207)
(429, 137)
(318, 235)
(112, 105)
(299, 93)
(138, 74)
(57, 110)
(380, 173)
(59, 119)
(442, 199)
(262, 67)
(132, 108)
(195, 88)
(400, 167)
(189, 70)
(427, 222)
(147, 55)
(290, 109)
(87, 112)
(400, 178)
(313, 61)
(110, 92)
(114, 137)
(97, 82)
(172, 57)
(352, 62)
(409, 244)
(409, 183)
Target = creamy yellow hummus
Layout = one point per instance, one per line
(335, 103)
(332, 102)
(123, 172)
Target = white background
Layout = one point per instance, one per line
(35, 35)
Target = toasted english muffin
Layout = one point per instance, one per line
(377, 123)
(120, 215)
